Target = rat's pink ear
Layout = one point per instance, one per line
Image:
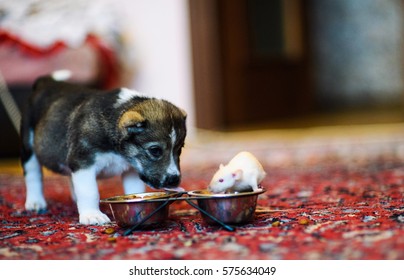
(221, 166)
(237, 174)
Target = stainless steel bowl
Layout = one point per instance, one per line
(129, 210)
(229, 208)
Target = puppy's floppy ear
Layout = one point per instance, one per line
(184, 114)
(132, 122)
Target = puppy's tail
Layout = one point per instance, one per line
(58, 75)
(61, 75)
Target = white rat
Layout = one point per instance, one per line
(242, 173)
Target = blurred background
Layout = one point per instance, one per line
(231, 64)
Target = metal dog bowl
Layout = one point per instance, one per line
(229, 208)
(129, 210)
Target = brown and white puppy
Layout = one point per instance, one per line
(87, 133)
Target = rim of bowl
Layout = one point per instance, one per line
(207, 194)
(139, 197)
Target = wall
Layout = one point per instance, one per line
(159, 34)
(358, 51)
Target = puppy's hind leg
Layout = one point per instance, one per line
(35, 199)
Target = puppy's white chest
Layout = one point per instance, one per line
(110, 164)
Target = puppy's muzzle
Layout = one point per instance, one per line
(168, 182)
(172, 181)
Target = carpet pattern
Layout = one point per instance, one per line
(328, 207)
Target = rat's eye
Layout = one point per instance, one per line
(221, 180)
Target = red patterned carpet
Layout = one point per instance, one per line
(327, 198)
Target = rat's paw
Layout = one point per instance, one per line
(38, 204)
(94, 217)
(257, 189)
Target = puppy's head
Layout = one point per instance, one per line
(152, 134)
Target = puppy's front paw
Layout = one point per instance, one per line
(38, 204)
(94, 217)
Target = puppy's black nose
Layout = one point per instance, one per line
(173, 180)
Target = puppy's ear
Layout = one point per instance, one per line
(132, 122)
(184, 114)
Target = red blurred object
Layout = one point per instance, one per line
(108, 73)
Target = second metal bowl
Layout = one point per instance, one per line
(229, 208)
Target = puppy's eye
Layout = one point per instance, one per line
(136, 128)
(155, 151)
(221, 180)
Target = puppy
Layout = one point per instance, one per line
(87, 133)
